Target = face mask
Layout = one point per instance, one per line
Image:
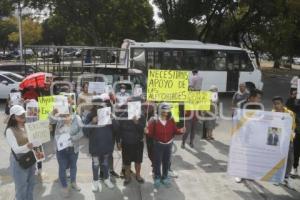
(122, 90)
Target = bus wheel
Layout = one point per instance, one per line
(250, 86)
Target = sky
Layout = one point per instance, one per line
(157, 19)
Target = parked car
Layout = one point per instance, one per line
(9, 81)
(20, 68)
(296, 60)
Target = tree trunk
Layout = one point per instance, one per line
(276, 64)
(257, 58)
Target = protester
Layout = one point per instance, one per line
(20, 146)
(294, 82)
(253, 102)
(68, 126)
(278, 106)
(210, 117)
(162, 130)
(122, 96)
(84, 98)
(100, 145)
(241, 95)
(294, 105)
(130, 137)
(195, 81)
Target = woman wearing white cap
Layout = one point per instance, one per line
(162, 130)
(18, 141)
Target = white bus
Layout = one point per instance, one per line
(223, 66)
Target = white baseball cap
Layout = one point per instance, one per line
(16, 110)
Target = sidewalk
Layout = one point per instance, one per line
(202, 175)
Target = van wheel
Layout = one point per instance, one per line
(250, 86)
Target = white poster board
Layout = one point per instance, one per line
(61, 104)
(32, 109)
(134, 109)
(63, 141)
(38, 131)
(15, 98)
(104, 116)
(260, 144)
(96, 87)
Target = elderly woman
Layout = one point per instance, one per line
(163, 130)
(211, 115)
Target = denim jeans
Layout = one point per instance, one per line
(162, 158)
(23, 178)
(67, 158)
(103, 161)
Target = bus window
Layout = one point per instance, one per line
(246, 64)
(220, 61)
(233, 61)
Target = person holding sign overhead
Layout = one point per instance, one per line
(122, 96)
(163, 130)
(68, 131)
(17, 139)
(99, 131)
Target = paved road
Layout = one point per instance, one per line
(202, 170)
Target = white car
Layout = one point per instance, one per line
(9, 81)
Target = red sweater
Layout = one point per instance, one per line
(162, 133)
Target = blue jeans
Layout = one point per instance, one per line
(162, 158)
(103, 161)
(67, 158)
(23, 178)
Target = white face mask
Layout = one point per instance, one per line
(122, 90)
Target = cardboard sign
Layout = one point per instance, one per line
(104, 116)
(198, 101)
(38, 130)
(96, 87)
(167, 85)
(134, 109)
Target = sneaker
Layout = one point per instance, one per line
(65, 192)
(127, 181)
(166, 182)
(191, 145)
(157, 183)
(238, 180)
(294, 172)
(172, 174)
(113, 173)
(286, 182)
(182, 145)
(109, 184)
(75, 187)
(95, 186)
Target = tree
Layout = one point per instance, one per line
(6, 8)
(32, 31)
(6, 28)
(102, 22)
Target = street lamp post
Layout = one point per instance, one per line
(20, 30)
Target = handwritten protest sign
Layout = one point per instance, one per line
(96, 87)
(167, 85)
(260, 144)
(175, 111)
(15, 98)
(61, 104)
(104, 116)
(198, 100)
(134, 109)
(45, 106)
(38, 131)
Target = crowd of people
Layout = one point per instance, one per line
(156, 126)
